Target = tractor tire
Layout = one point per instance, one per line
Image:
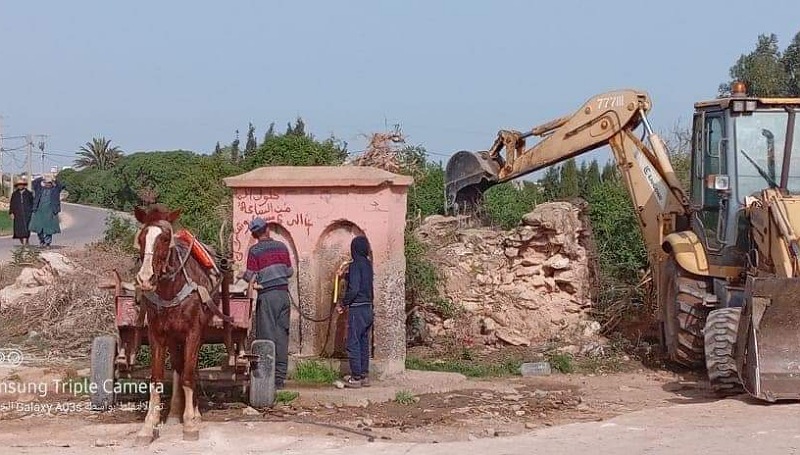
(720, 343)
(262, 375)
(104, 351)
(686, 315)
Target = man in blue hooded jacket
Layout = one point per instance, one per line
(46, 207)
(358, 300)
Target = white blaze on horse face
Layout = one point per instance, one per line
(146, 271)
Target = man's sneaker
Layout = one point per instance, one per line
(365, 381)
(352, 383)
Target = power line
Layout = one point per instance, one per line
(12, 149)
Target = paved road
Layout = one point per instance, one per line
(80, 225)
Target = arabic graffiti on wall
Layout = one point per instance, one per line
(257, 194)
(265, 203)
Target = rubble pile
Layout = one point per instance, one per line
(529, 285)
(33, 280)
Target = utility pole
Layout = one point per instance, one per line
(41, 145)
(30, 161)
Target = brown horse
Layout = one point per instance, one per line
(177, 293)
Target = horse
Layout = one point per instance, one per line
(177, 292)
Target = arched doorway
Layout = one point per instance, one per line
(332, 249)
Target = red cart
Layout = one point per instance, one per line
(114, 358)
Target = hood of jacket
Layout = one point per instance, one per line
(359, 247)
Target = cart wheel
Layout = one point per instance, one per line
(104, 350)
(262, 374)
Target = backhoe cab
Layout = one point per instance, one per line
(726, 252)
(745, 193)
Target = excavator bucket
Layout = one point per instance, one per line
(768, 342)
(467, 176)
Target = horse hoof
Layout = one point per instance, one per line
(173, 420)
(191, 435)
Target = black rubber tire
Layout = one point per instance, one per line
(687, 315)
(102, 377)
(261, 391)
(691, 321)
(720, 343)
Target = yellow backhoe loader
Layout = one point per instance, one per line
(725, 257)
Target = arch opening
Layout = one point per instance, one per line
(332, 249)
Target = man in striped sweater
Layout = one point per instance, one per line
(268, 262)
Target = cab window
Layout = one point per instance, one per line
(713, 163)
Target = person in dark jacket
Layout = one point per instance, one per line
(358, 300)
(46, 207)
(20, 208)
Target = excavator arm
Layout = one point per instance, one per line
(606, 119)
(752, 332)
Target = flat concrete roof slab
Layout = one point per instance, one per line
(316, 176)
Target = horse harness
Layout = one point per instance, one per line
(189, 287)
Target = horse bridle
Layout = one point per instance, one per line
(189, 286)
(166, 227)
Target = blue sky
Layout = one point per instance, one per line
(179, 74)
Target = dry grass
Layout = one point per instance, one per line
(64, 317)
(102, 260)
(8, 274)
(627, 309)
(61, 320)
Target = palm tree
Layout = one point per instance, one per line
(98, 154)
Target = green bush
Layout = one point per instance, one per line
(505, 205)
(426, 194)
(120, 233)
(296, 150)
(91, 187)
(616, 231)
(422, 278)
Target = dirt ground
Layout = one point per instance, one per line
(459, 409)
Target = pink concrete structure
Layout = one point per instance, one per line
(316, 211)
